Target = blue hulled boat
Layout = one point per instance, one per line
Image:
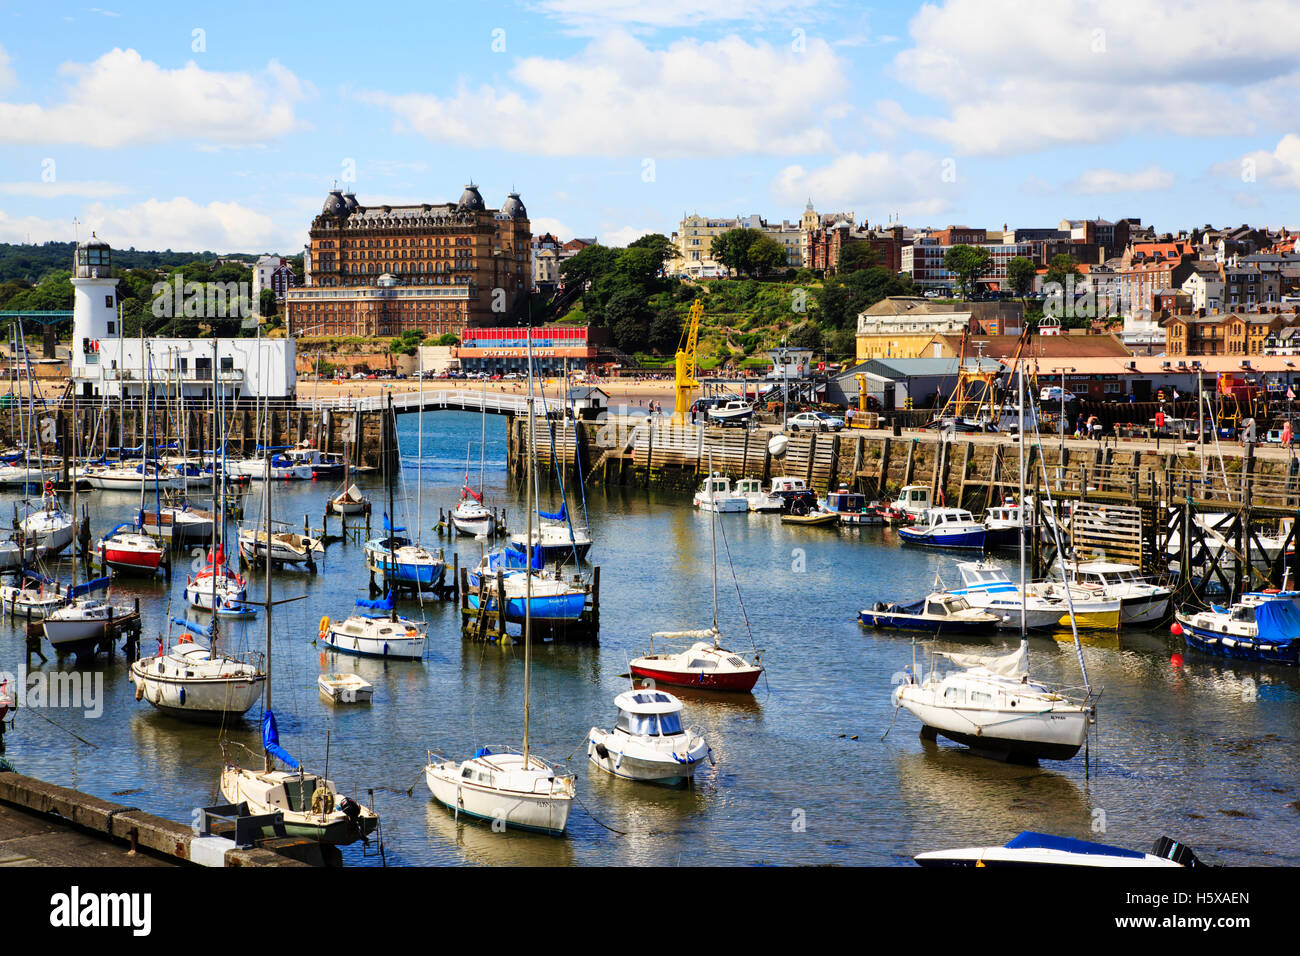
(1265, 630)
(939, 614)
(553, 598)
(945, 528)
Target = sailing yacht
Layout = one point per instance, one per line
(384, 634)
(50, 527)
(517, 788)
(705, 665)
(990, 704)
(129, 551)
(470, 516)
(309, 803)
(193, 681)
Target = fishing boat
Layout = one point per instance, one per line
(716, 495)
(195, 682)
(345, 688)
(1002, 526)
(913, 502)
(309, 803)
(375, 635)
(129, 552)
(705, 664)
(852, 507)
(945, 528)
(648, 742)
(1044, 849)
(732, 412)
(515, 788)
(751, 489)
(940, 614)
(1267, 630)
(987, 587)
(1141, 600)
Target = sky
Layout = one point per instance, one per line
(223, 126)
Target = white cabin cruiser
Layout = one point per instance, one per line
(751, 489)
(733, 412)
(376, 635)
(1141, 601)
(988, 587)
(286, 547)
(716, 495)
(648, 742)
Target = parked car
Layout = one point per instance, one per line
(814, 421)
(1052, 393)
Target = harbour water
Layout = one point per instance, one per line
(1207, 752)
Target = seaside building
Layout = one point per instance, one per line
(378, 271)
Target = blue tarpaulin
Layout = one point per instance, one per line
(1047, 841)
(388, 527)
(561, 515)
(96, 585)
(509, 558)
(1279, 622)
(271, 741)
(383, 604)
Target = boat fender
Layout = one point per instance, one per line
(619, 761)
(139, 691)
(603, 751)
(324, 626)
(182, 696)
(712, 762)
(385, 648)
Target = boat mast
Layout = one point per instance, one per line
(75, 525)
(392, 519)
(713, 541)
(1020, 392)
(528, 548)
(266, 507)
(419, 447)
(214, 544)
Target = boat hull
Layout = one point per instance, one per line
(972, 539)
(924, 625)
(538, 813)
(565, 607)
(740, 681)
(388, 647)
(206, 701)
(132, 562)
(1002, 734)
(1239, 646)
(666, 770)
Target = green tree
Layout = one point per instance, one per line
(967, 263)
(842, 298)
(659, 246)
(731, 248)
(266, 303)
(857, 255)
(1061, 268)
(665, 331)
(1020, 275)
(764, 254)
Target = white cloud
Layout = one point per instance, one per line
(544, 224)
(593, 14)
(1017, 76)
(123, 99)
(1278, 167)
(1098, 181)
(178, 223)
(619, 98)
(620, 237)
(910, 183)
(42, 190)
(7, 78)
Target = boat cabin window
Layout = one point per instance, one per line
(649, 725)
(978, 697)
(1246, 614)
(936, 608)
(954, 695)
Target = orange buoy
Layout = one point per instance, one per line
(1176, 660)
(1175, 629)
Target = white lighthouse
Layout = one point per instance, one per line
(94, 307)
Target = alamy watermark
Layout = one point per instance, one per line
(78, 690)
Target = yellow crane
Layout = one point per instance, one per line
(686, 363)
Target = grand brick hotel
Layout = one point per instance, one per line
(381, 270)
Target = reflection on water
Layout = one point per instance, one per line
(1202, 749)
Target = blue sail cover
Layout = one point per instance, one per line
(192, 626)
(1279, 622)
(561, 515)
(509, 558)
(96, 585)
(383, 604)
(271, 741)
(388, 527)
(1047, 841)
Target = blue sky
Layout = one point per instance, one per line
(224, 127)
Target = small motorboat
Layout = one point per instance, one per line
(987, 587)
(943, 615)
(648, 742)
(1141, 601)
(345, 688)
(733, 412)
(1044, 849)
(716, 495)
(852, 507)
(1259, 630)
(1002, 526)
(751, 489)
(913, 502)
(945, 528)
(816, 517)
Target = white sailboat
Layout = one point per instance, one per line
(990, 704)
(517, 788)
(309, 803)
(196, 682)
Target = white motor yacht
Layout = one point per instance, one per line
(648, 742)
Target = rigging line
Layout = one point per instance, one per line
(37, 712)
(594, 817)
(734, 580)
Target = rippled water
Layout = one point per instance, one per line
(1181, 751)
